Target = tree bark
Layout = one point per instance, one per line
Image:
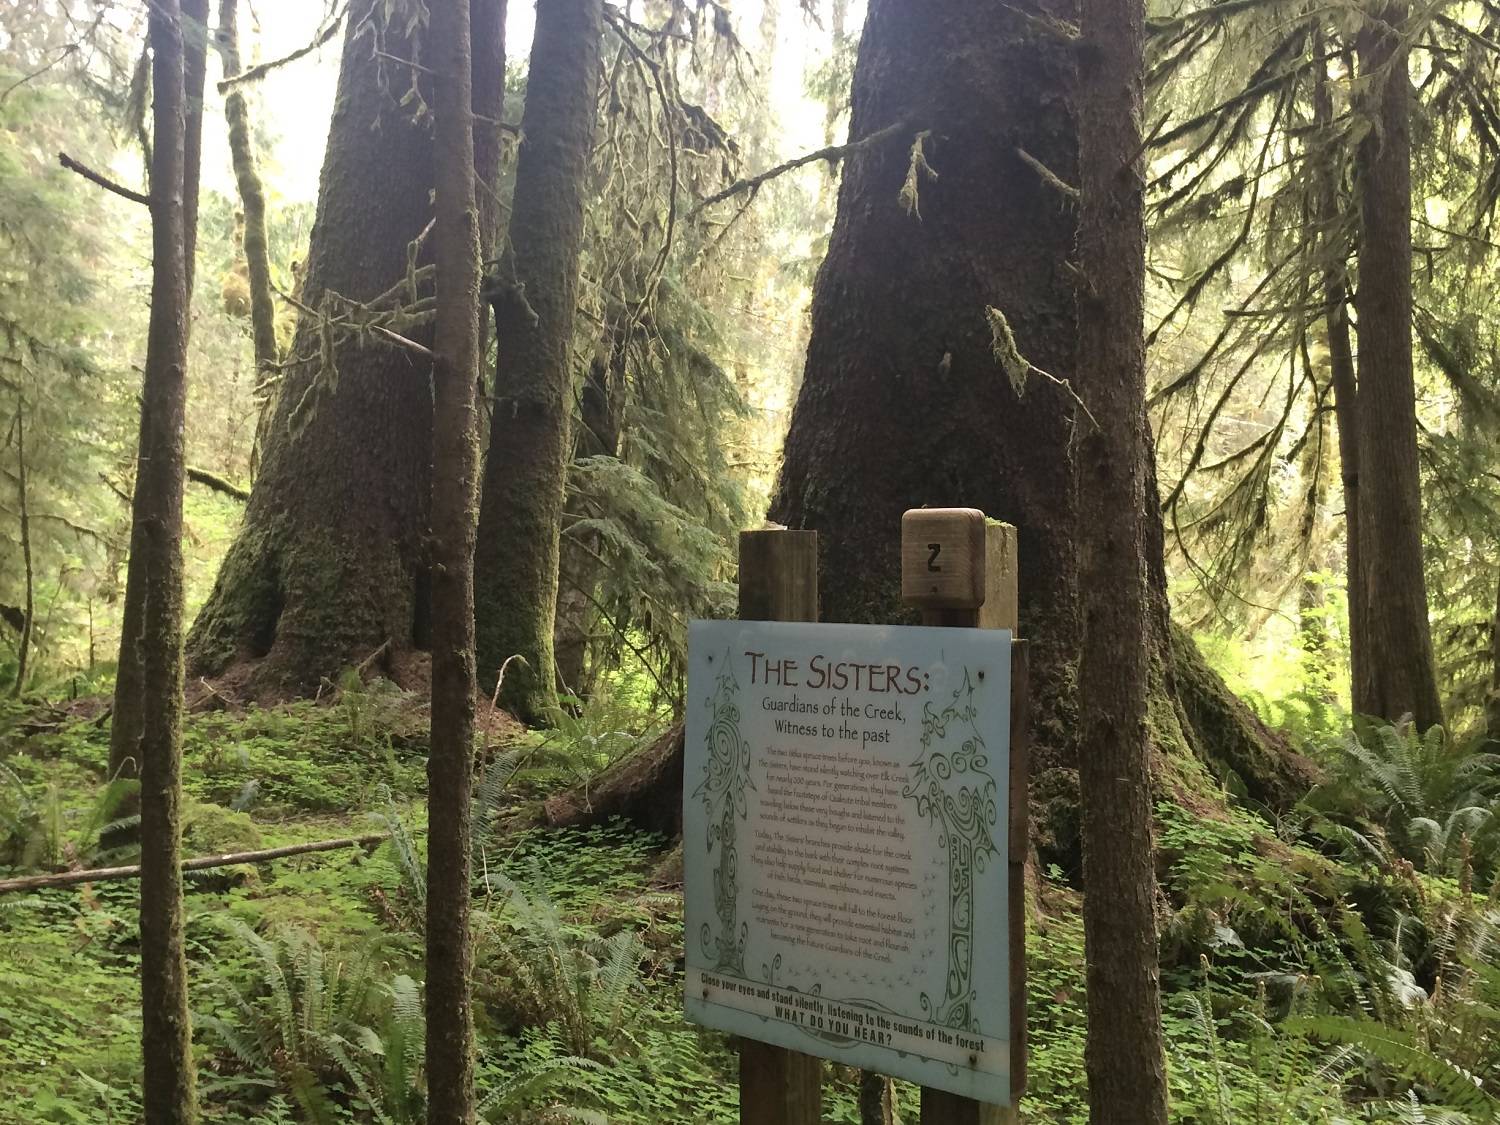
(516, 570)
(903, 403)
(128, 721)
(450, 1029)
(644, 787)
(23, 503)
(1342, 374)
(487, 48)
(330, 563)
(1492, 706)
(252, 198)
(156, 573)
(875, 1106)
(600, 414)
(1346, 414)
(1402, 680)
(1124, 1055)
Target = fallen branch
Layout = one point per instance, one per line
(102, 180)
(831, 153)
(106, 874)
(217, 483)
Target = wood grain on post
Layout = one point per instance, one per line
(779, 582)
(981, 593)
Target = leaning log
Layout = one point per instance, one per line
(644, 787)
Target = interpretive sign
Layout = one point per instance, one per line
(844, 838)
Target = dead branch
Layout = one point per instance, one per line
(830, 153)
(102, 180)
(217, 483)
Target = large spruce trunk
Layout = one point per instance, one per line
(906, 401)
(516, 568)
(1399, 678)
(329, 563)
(903, 403)
(154, 646)
(1127, 1079)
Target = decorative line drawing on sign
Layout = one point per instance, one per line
(726, 777)
(956, 792)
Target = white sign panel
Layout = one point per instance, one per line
(844, 836)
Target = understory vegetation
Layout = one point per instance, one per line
(1339, 963)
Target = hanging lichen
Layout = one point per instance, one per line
(914, 172)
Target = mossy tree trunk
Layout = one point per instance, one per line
(1124, 1057)
(1492, 706)
(905, 401)
(516, 568)
(252, 197)
(128, 720)
(1342, 376)
(155, 645)
(600, 414)
(329, 563)
(1399, 677)
(450, 1026)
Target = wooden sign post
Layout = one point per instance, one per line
(960, 570)
(845, 805)
(779, 582)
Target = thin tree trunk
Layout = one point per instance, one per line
(1124, 1055)
(487, 45)
(23, 652)
(455, 445)
(516, 571)
(156, 572)
(1492, 709)
(1335, 251)
(1346, 414)
(128, 720)
(1399, 679)
(252, 198)
(194, 72)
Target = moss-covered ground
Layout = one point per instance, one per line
(1298, 985)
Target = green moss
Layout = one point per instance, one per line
(209, 829)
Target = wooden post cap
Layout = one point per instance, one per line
(942, 558)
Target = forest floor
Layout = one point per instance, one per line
(304, 971)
